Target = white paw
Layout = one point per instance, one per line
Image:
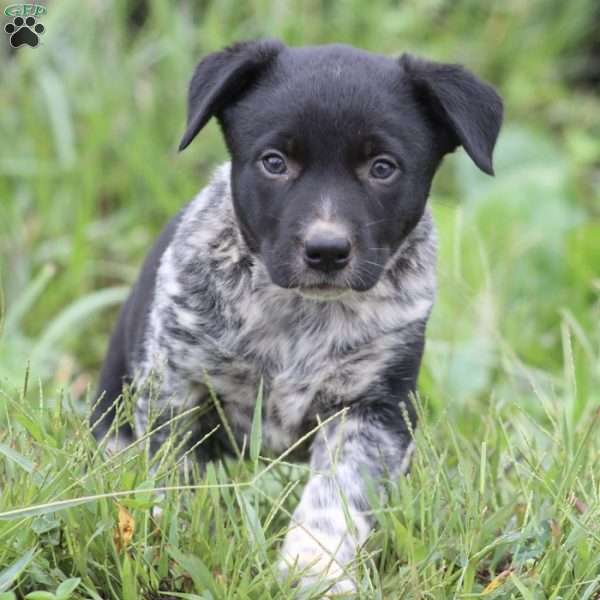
(317, 560)
(342, 587)
(327, 586)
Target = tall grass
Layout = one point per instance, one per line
(503, 494)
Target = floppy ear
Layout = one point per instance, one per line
(220, 77)
(469, 108)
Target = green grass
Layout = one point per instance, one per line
(504, 486)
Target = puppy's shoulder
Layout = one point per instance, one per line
(207, 254)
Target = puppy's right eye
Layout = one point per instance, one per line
(274, 163)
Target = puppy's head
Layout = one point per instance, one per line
(334, 149)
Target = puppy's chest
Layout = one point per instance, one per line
(301, 367)
(312, 357)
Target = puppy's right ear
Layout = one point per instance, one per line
(221, 77)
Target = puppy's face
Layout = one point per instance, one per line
(333, 152)
(332, 162)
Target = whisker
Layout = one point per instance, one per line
(373, 223)
(370, 262)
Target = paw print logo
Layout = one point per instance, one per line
(24, 31)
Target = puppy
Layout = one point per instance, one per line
(307, 264)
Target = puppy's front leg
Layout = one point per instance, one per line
(331, 522)
(170, 407)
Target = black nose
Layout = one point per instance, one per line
(327, 252)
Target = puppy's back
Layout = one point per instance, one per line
(127, 339)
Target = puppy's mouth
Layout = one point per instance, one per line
(322, 291)
(310, 283)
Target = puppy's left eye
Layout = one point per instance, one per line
(274, 163)
(382, 168)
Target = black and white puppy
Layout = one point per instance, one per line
(308, 263)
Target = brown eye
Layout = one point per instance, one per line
(274, 164)
(382, 168)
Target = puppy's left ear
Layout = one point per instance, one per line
(221, 77)
(469, 108)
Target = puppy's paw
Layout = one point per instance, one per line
(317, 559)
(324, 586)
(342, 588)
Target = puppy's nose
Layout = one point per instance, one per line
(327, 252)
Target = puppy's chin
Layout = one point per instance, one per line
(321, 288)
(317, 285)
(323, 293)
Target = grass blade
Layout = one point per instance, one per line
(10, 574)
(256, 431)
(79, 311)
